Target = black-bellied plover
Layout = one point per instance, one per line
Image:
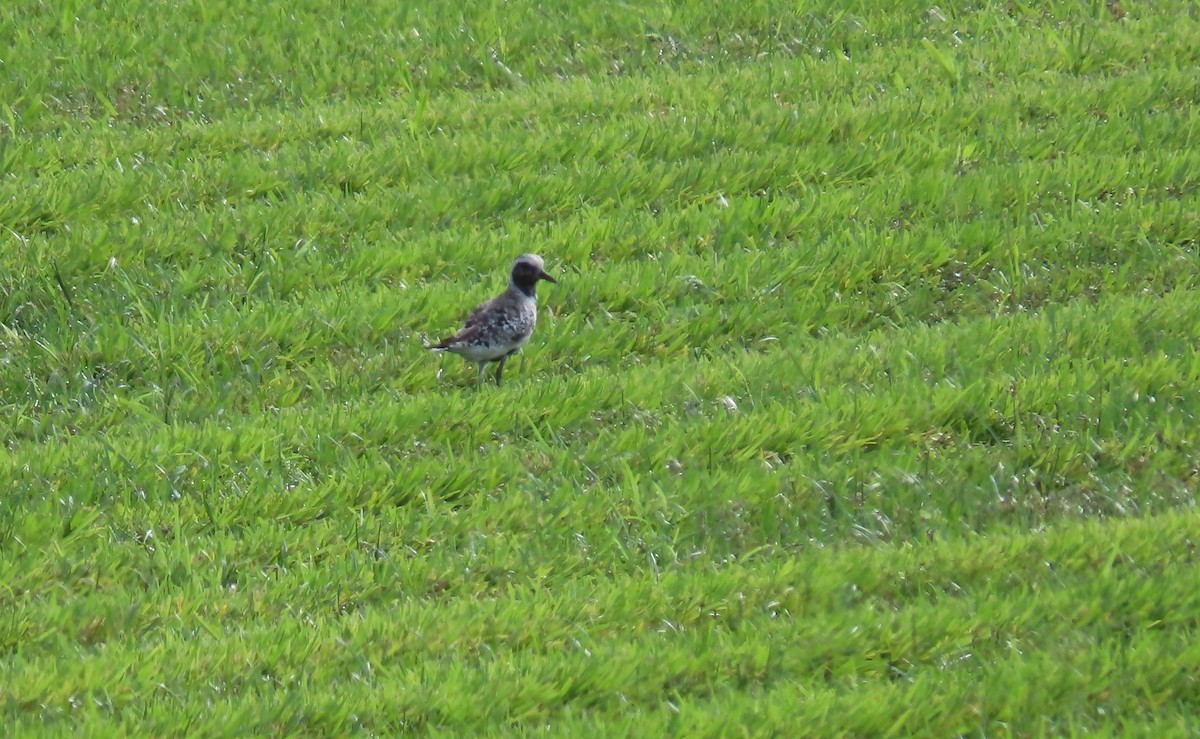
(499, 328)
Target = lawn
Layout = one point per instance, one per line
(865, 404)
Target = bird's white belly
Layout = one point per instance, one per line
(487, 351)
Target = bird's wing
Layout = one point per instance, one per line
(470, 327)
(464, 335)
(477, 315)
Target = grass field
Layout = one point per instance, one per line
(866, 402)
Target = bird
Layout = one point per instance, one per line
(498, 328)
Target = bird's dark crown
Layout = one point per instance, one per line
(525, 276)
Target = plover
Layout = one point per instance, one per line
(499, 328)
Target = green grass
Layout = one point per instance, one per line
(865, 404)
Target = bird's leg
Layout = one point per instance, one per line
(500, 368)
(479, 380)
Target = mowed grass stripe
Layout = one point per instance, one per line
(882, 275)
(398, 145)
(216, 68)
(884, 625)
(1064, 405)
(1150, 322)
